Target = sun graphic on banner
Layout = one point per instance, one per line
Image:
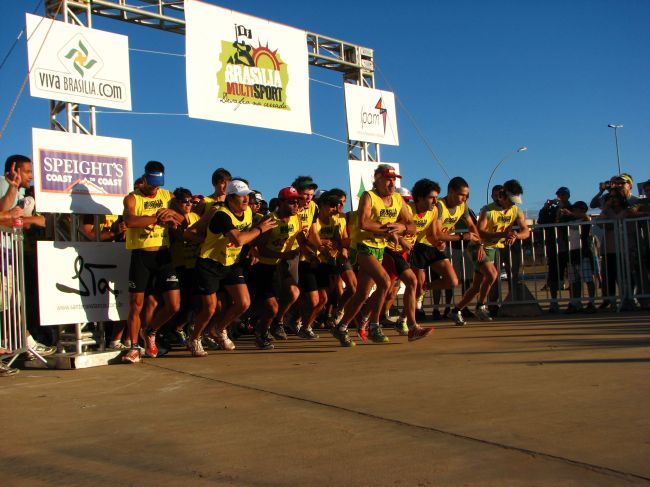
(265, 58)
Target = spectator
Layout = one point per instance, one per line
(621, 184)
(555, 239)
(581, 262)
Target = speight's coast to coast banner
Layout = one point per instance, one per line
(245, 70)
(371, 115)
(76, 64)
(75, 173)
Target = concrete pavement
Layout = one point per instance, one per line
(561, 400)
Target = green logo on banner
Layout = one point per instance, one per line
(252, 75)
(81, 62)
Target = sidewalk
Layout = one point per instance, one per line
(545, 402)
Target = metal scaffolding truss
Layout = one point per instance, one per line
(355, 62)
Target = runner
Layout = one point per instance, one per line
(451, 209)
(274, 287)
(217, 267)
(147, 216)
(495, 224)
(381, 216)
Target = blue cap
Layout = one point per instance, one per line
(155, 178)
(563, 189)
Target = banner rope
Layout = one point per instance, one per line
(22, 87)
(414, 123)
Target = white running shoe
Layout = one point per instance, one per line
(224, 342)
(483, 313)
(457, 316)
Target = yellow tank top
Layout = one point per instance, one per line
(498, 220)
(381, 214)
(422, 223)
(185, 253)
(330, 231)
(306, 216)
(218, 246)
(447, 220)
(154, 235)
(282, 238)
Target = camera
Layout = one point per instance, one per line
(607, 185)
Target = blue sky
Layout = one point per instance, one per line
(479, 78)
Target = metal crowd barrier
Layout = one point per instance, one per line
(565, 263)
(13, 329)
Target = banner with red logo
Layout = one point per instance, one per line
(75, 173)
(371, 115)
(245, 70)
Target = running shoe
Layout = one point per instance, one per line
(181, 336)
(196, 348)
(132, 356)
(224, 342)
(278, 332)
(402, 328)
(457, 317)
(293, 326)
(418, 332)
(307, 333)
(209, 342)
(6, 371)
(362, 332)
(376, 334)
(483, 313)
(262, 342)
(150, 347)
(117, 345)
(342, 336)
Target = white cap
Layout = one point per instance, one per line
(404, 192)
(240, 188)
(515, 198)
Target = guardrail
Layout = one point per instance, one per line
(601, 262)
(13, 331)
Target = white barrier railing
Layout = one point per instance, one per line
(601, 261)
(13, 329)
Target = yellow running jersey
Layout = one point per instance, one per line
(332, 230)
(498, 220)
(352, 221)
(282, 238)
(185, 253)
(218, 246)
(153, 235)
(422, 223)
(383, 215)
(447, 220)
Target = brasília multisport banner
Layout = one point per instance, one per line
(245, 70)
(76, 64)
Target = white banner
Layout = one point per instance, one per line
(82, 282)
(77, 64)
(371, 115)
(75, 173)
(245, 70)
(362, 177)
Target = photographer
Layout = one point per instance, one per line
(556, 242)
(620, 184)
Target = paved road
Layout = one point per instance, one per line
(546, 402)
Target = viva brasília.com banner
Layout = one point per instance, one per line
(76, 64)
(245, 70)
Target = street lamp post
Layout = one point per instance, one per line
(508, 156)
(616, 126)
